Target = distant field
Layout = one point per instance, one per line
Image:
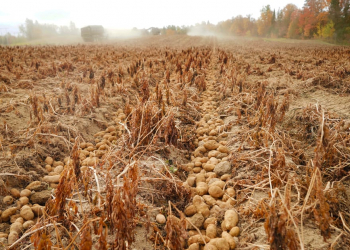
(175, 142)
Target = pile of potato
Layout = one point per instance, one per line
(89, 154)
(21, 214)
(211, 210)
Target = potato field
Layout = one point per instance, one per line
(175, 142)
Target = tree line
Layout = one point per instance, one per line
(325, 19)
(34, 30)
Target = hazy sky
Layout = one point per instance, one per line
(130, 13)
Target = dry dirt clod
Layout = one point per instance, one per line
(40, 197)
(222, 168)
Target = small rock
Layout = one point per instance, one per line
(40, 197)
(160, 219)
(222, 168)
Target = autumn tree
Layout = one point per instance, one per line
(265, 21)
(285, 18)
(339, 14)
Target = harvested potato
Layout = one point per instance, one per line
(198, 239)
(225, 177)
(234, 232)
(190, 210)
(203, 209)
(38, 210)
(52, 179)
(25, 192)
(5, 215)
(211, 231)
(196, 170)
(13, 236)
(210, 247)
(49, 160)
(16, 227)
(27, 213)
(14, 217)
(229, 239)
(208, 221)
(211, 145)
(215, 191)
(208, 167)
(23, 200)
(48, 168)
(209, 200)
(224, 205)
(213, 153)
(223, 149)
(219, 183)
(7, 200)
(192, 232)
(198, 164)
(202, 188)
(160, 219)
(15, 193)
(231, 192)
(197, 200)
(28, 224)
(200, 178)
(57, 163)
(20, 220)
(191, 180)
(220, 243)
(231, 219)
(194, 246)
(58, 169)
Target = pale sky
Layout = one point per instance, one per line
(130, 13)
